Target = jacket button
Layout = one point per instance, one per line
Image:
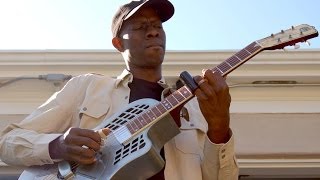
(126, 97)
(84, 108)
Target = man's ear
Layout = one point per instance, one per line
(117, 43)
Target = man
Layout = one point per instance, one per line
(60, 129)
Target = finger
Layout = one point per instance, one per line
(90, 134)
(86, 161)
(81, 159)
(199, 80)
(79, 150)
(83, 141)
(206, 91)
(103, 133)
(216, 81)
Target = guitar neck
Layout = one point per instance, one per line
(155, 113)
(238, 59)
(184, 94)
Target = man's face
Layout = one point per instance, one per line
(143, 39)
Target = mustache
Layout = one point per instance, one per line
(155, 43)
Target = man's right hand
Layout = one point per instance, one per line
(77, 145)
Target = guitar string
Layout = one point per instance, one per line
(124, 129)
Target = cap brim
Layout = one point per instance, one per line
(164, 9)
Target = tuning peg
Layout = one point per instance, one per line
(296, 46)
(308, 43)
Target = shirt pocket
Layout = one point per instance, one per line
(187, 142)
(92, 114)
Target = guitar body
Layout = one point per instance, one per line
(138, 158)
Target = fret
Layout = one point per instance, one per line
(137, 123)
(146, 117)
(130, 128)
(253, 47)
(224, 66)
(237, 57)
(157, 111)
(161, 108)
(247, 51)
(216, 69)
(134, 126)
(141, 120)
(178, 96)
(242, 54)
(173, 95)
(233, 60)
(228, 63)
(250, 48)
(185, 92)
(166, 104)
(172, 100)
(151, 115)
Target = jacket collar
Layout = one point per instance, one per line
(126, 77)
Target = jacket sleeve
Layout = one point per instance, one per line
(219, 161)
(26, 143)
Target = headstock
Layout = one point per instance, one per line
(289, 37)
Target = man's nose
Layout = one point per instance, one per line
(152, 31)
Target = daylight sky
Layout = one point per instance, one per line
(196, 25)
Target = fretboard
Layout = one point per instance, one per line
(159, 110)
(184, 94)
(237, 59)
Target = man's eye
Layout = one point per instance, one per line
(145, 26)
(138, 27)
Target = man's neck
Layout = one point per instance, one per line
(151, 75)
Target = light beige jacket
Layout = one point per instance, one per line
(88, 99)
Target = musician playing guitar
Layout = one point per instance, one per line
(63, 128)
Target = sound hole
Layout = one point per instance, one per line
(133, 146)
(126, 116)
